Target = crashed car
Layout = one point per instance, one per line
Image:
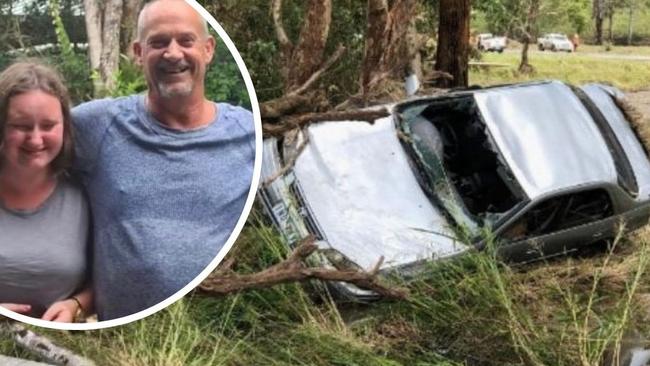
(543, 167)
(554, 42)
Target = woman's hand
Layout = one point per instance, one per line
(17, 308)
(62, 311)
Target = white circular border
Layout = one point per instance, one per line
(231, 239)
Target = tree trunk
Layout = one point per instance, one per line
(531, 17)
(453, 42)
(307, 56)
(103, 28)
(610, 26)
(128, 28)
(376, 21)
(598, 15)
(390, 48)
(630, 23)
(93, 17)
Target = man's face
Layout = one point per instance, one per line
(174, 49)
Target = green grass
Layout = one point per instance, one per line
(575, 68)
(473, 310)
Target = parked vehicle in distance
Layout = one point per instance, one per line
(554, 42)
(545, 167)
(489, 42)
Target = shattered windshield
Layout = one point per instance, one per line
(457, 161)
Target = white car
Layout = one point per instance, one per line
(546, 167)
(489, 42)
(554, 42)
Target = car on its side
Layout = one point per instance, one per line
(489, 42)
(545, 167)
(554, 42)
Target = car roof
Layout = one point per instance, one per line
(546, 136)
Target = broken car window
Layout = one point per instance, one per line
(450, 142)
(560, 213)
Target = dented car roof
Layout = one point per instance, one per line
(547, 137)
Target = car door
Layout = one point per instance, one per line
(558, 224)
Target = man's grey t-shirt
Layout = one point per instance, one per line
(163, 201)
(43, 251)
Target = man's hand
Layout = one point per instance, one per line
(61, 311)
(17, 308)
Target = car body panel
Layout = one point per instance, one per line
(361, 191)
(602, 96)
(555, 42)
(546, 136)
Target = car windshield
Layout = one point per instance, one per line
(456, 161)
(559, 37)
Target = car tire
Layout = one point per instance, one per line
(500, 50)
(540, 47)
(553, 48)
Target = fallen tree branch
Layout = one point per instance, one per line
(276, 108)
(317, 74)
(41, 346)
(289, 164)
(293, 269)
(301, 121)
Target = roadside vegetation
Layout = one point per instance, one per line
(469, 311)
(589, 64)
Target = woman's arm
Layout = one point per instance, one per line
(66, 310)
(17, 308)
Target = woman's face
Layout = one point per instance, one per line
(33, 134)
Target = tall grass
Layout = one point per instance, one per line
(472, 310)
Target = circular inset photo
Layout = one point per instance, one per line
(130, 152)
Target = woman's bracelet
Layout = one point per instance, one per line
(81, 308)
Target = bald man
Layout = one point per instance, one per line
(167, 172)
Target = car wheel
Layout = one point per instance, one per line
(540, 47)
(553, 48)
(500, 50)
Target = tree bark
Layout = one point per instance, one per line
(453, 42)
(128, 28)
(103, 21)
(389, 49)
(598, 13)
(223, 281)
(531, 17)
(307, 55)
(93, 17)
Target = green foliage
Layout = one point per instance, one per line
(73, 66)
(129, 79)
(223, 80)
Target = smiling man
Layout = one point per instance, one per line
(167, 172)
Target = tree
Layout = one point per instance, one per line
(598, 14)
(105, 21)
(453, 42)
(390, 45)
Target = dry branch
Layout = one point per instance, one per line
(289, 164)
(292, 269)
(305, 119)
(41, 346)
(287, 103)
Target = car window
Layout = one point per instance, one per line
(560, 213)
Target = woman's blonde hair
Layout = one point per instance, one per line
(29, 75)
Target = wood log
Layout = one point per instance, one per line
(293, 269)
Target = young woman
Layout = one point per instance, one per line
(43, 214)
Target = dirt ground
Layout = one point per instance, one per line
(641, 100)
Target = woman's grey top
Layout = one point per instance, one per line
(43, 251)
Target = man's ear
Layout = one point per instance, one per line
(210, 44)
(137, 52)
